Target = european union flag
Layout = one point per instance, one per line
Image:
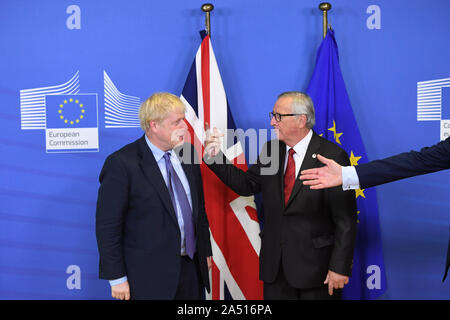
(335, 120)
(71, 111)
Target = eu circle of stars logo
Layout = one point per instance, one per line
(71, 111)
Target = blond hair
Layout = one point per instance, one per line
(157, 107)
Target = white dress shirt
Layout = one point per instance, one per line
(350, 180)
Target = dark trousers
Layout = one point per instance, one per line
(189, 283)
(280, 289)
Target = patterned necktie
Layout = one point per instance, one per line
(175, 185)
(289, 176)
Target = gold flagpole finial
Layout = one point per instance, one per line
(207, 8)
(325, 7)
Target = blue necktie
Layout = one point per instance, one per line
(175, 185)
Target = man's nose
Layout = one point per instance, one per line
(273, 122)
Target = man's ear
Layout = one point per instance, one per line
(303, 120)
(153, 125)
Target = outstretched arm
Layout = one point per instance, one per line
(243, 183)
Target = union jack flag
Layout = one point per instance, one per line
(233, 220)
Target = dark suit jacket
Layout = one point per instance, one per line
(137, 229)
(404, 165)
(315, 232)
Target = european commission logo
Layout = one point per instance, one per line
(69, 118)
(433, 103)
(71, 123)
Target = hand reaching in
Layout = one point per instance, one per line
(325, 177)
(212, 141)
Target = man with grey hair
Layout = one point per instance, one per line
(308, 237)
(301, 104)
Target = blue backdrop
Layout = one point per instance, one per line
(120, 52)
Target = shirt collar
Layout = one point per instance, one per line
(157, 152)
(302, 145)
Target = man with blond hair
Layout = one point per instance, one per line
(151, 226)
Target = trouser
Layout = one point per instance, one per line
(280, 289)
(189, 283)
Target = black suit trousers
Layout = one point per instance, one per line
(281, 289)
(189, 284)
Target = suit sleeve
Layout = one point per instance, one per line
(405, 165)
(244, 183)
(112, 203)
(343, 209)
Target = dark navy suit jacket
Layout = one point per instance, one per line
(137, 230)
(404, 165)
(316, 230)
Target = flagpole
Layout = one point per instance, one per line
(325, 7)
(207, 8)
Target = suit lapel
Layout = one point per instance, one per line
(309, 161)
(153, 174)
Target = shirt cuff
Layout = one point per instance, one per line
(118, 281)
(350, 180)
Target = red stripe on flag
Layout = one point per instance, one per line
(205, 79)
(253, 214)
(215, 282)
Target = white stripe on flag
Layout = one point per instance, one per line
(219, 260)
(198, 70)
(195, 122)
(218, 99)
(250, 226)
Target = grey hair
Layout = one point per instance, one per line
(302, 104)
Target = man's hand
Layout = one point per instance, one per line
(335, 281)
(324, 177)
(121, 291)
(209, 262)
(212, 141)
